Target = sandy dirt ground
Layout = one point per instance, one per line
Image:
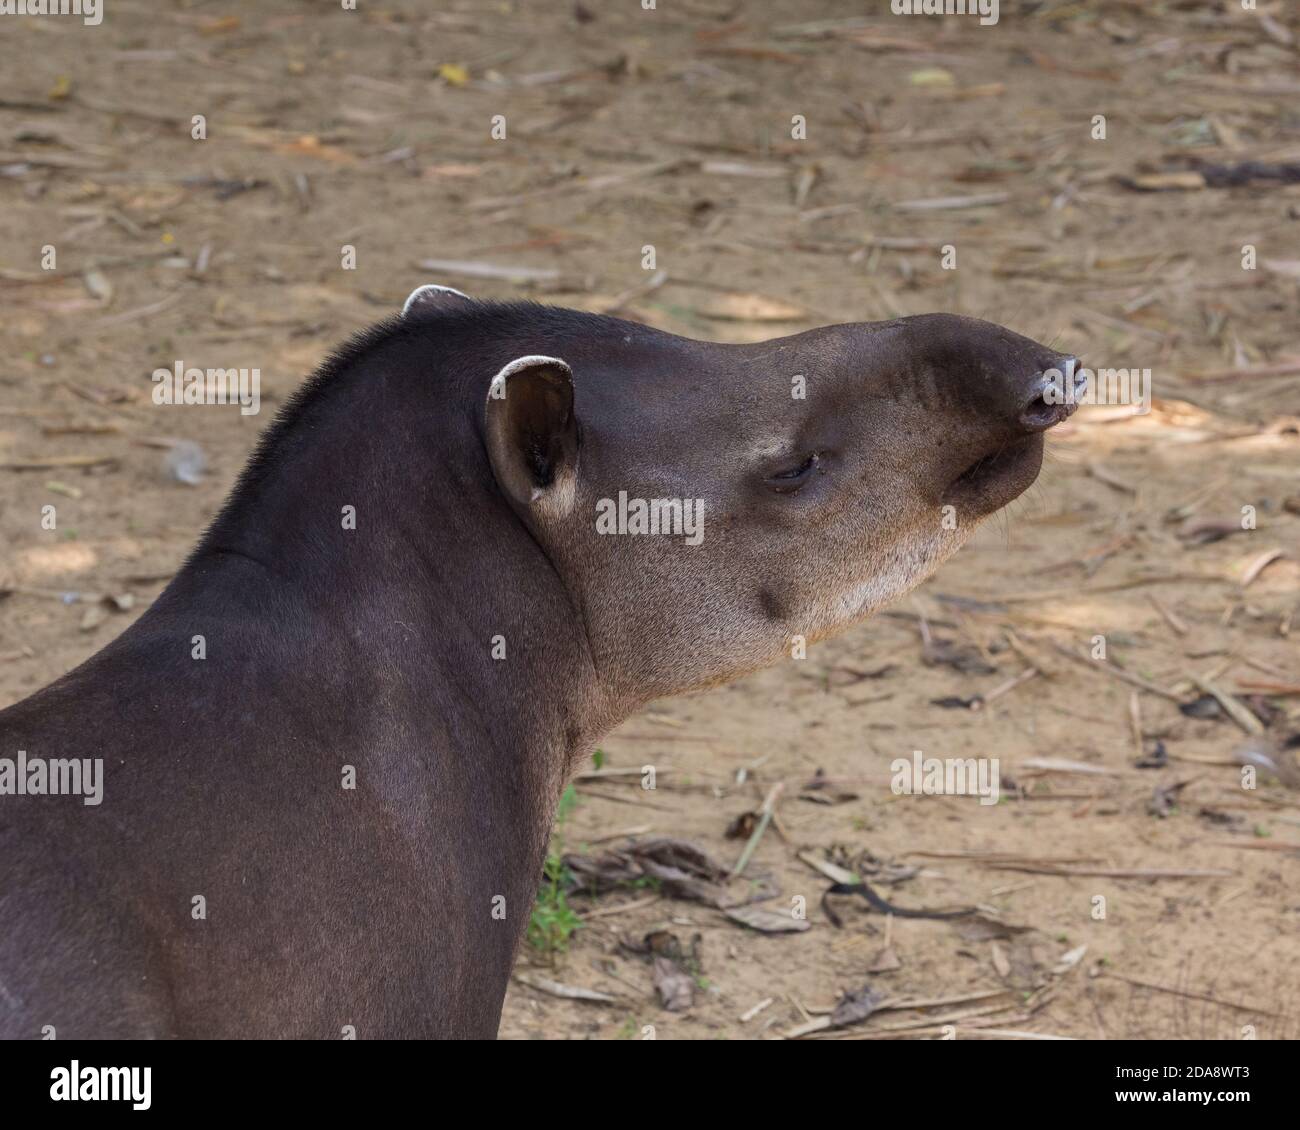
(790, 163)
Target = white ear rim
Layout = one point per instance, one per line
(496, 389)
(429, 288)
(560, 498)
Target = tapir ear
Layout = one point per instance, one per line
(432, 297)
(532, 433)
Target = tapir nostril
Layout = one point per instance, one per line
(1053, 396)
(1039, 415)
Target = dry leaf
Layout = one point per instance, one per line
(1271, 756)
(567, 992)
(767, 921)
(885, 961)
(1070, 960)
(1166, 182)
(738, 307)
(452, 170)
(676, 990)
(219, 26)
(931, 76)
(856, 1006)
(1256, 565)
(98, 286)
(309, 145)
(1202, 531)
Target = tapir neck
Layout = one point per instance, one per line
(437, 596)
(370, 600)
(384, 531)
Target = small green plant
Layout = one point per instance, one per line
(553, 920)
(568, 801)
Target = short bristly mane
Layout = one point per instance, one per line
(498, 323)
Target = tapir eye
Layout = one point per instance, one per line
(786, 481)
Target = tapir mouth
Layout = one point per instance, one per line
(997, 477)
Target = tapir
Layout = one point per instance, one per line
(332, 748)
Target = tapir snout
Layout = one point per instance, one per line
(992, 393)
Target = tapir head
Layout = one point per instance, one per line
(707, 506)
